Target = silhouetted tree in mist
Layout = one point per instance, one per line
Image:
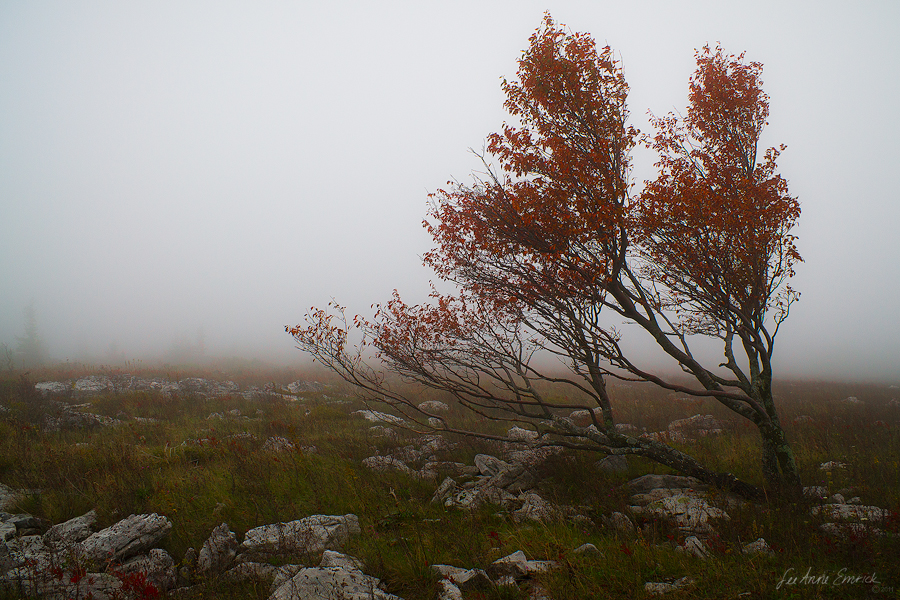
(30, 349)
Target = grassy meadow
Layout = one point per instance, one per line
(167, 456)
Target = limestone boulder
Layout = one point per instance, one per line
(130, 536)
(71, 531)
(311, 535)
(332, 583)
(690, 513)
(157, 567)
(218, 551)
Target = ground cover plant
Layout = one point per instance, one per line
(166, 455)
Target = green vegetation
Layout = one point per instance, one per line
(200, 472)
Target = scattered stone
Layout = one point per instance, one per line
(303, 387)
(387, 463)
(330, 558)
(850, 530)
(157, 566)
(690, 513)
(283, 574)
(758, 547)
(449, 591)
(130, 536)
(815, 491)
(514, 565)
(374, 416)
(582, 417)
(52, 387)
(490, 465)
(434, 406)
(277, 444)
(832, 465)
(311, 535)
(802, 419)
(332, 583)
(72, 531)
(618, 522)
(851, 401)
(695, 547)
(469, 579)
(850, 512)
(514, 479)
(518, 434)
(696, 426)
(219, 550)
(535, 508)
(588, 549)
(660, 588)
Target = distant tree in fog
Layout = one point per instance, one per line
(30, 349)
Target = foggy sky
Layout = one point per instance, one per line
(171, 171)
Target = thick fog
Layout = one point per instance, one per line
(184, 179)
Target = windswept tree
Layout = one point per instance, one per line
(549, 249)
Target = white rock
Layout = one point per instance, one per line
(375, 416)
(331, 583)
(689, 512)
(386, 463)
(535, 508)
(518, 434)
(330, 558)
(130, 536)
(449, 591)
(434, 406)
(658, 589)
(618, 522)
(587, 549)
(850, 512)
(157, 566)
(277, 444)
(490, 465)
(514, 565)
(832, 465)
(311, 535)
(758, 547)
(218, 551)
(695, 547)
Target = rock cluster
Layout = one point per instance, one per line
(685, 430)
(682, 501)
(72, 560)
(101, 384)
(510, 570)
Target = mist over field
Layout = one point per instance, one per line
(179, 181)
